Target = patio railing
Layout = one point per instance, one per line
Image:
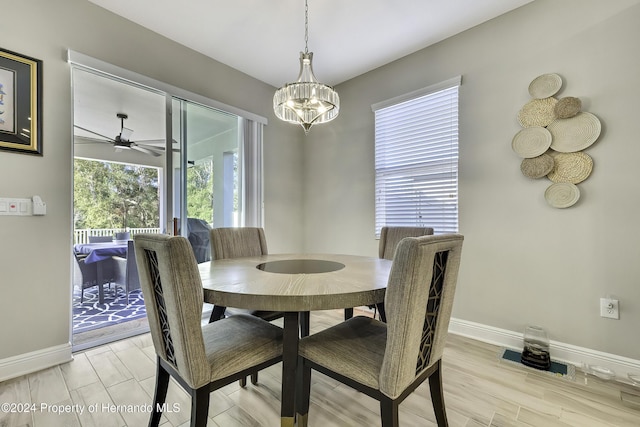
(82, 235)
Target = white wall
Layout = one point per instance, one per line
(35, 254)
(523, 262)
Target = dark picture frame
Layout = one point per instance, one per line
(20, 103)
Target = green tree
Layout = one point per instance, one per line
(113, 195)
(200, 191)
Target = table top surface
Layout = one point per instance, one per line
(101, 251)
(238, 282)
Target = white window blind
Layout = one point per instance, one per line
(416, 159)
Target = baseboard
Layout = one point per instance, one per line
(27, 363)
(567, 353)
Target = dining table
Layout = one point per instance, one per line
(100, 253)
(294, 284)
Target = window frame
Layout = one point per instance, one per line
(416, 157)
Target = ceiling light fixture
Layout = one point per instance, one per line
(306, 102)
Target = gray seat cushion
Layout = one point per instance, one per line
(354, 348)
(240, 342)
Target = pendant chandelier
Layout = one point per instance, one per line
(306, 102)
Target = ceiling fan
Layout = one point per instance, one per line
(122, 140)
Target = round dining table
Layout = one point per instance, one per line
(294, 284)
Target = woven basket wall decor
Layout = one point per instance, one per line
(554, 133)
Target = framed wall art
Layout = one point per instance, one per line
(20, 103)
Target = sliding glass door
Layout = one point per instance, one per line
(207, 158)
(205, 171)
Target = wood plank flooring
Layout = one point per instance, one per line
(111, 385)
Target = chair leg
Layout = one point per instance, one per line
(389, 412)
(254, 378)
(348, 313)
(437, 396)
(303, 391)
(381, 311)
(199, 407)
(217, 313)
(304, 323)
(243, 382)
(82, 295)
(162, 383)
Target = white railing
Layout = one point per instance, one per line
(82, 235)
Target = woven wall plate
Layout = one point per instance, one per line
(574, 134)
(537, 112)
(531, 142)
(568, 107)
(545, 86)
(571, 167)
(562, 195)
(537, 167)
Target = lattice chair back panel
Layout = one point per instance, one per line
(432, 310)
(173, 297)
(418, 301)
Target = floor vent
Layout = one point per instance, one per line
(557, 369)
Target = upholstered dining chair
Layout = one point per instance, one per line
(200, 358)
(391, 236)
(389, 239)
(387, 361)
(236, 242)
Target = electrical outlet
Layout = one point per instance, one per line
(609, 308)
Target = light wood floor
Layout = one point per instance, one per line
(115, 381)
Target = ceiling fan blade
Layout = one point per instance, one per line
(159, 150)
(87, 140)
(94, 133)
(145, 150)
(154, 142)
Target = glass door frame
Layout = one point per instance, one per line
(77, 59)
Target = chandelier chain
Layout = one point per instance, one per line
(306, 26)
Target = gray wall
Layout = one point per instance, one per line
(35, 254)
(523, 262)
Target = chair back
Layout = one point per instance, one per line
(418, 301)
(237, 242)
(133, 279)
(198, 231)
(100, 239)
(173, 298)
(391, 236)
(123, 235)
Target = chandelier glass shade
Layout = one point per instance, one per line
(306, 102)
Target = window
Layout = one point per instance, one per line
(416, 159)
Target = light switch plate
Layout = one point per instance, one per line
(16, 207)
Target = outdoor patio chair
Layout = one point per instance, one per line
(100, 239)
(84, 275)
(201, 359)
(123, 235)
(126, 271)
